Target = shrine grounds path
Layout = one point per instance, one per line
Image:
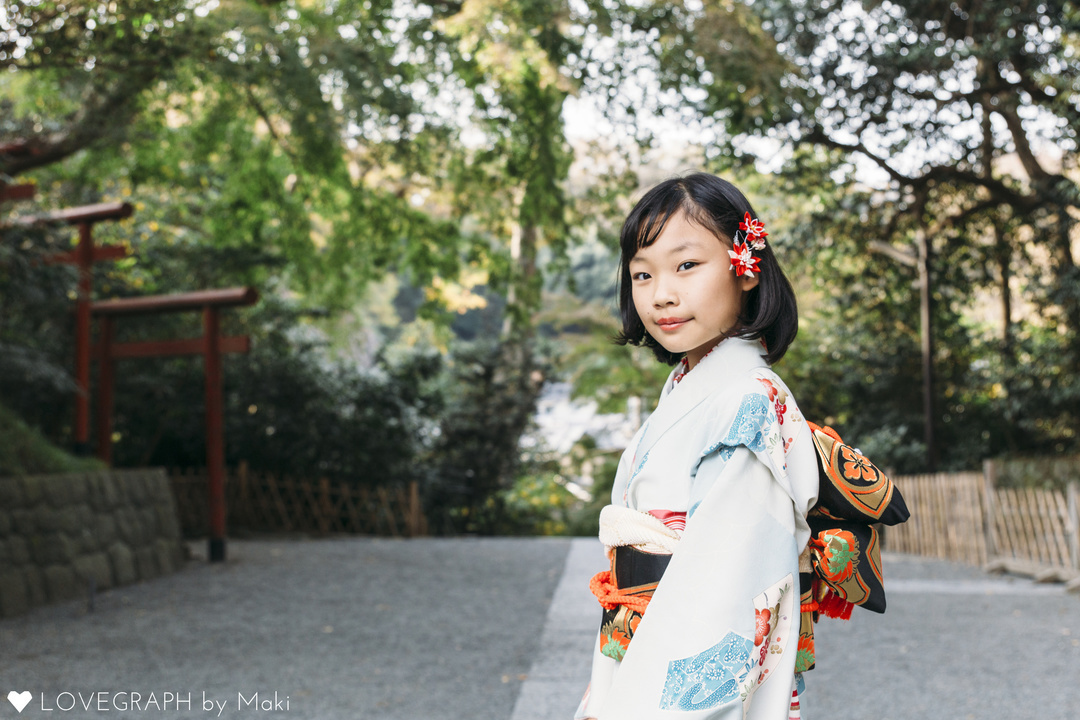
(497, 629)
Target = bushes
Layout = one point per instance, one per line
(491, 392)
(23, 451)
(449, 420)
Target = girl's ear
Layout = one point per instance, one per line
(748, 283)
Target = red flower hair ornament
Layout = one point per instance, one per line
(753, 232)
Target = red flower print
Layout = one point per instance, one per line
(855, 465)
(764, 652)
(778, 402)
(770, 388)
(761, 625)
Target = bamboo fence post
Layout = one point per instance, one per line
(944, 531)
(978, 546)
(953, 550)
(1039, 519)
(1016, 523)
(1073, 526)
(388, 510)
(1046, 499)
(279, 502)
(364, 499)
(926, 526)
(1060, 510)
(242, 504)
(989, 480)
(415, 511)
(922, 517)
(978, 538)
(324, 506)
(941, 507)
(1007, 526)
(355, 524)
(964, 505)
(1038, 527)
(1046, 508)
(1028, 527)
(1035, 529)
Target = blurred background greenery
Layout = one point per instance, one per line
(428, 197)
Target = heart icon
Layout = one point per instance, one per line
(19, 699)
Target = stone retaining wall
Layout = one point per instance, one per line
(64, 536)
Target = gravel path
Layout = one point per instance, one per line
(499, 629)
(954, 644)
(345, 629)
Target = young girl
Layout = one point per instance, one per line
(707, 520)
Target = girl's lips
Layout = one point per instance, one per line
(669, 324)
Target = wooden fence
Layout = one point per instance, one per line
(964, 517)
(266, 503)
(946, 520)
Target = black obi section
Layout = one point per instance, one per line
(634, 568)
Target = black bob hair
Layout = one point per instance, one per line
(769, 311)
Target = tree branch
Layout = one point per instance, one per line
(1023, 148)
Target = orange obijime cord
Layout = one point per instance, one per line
(610, 597)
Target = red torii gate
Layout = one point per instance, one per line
(16, 192)
(211, 346)
(83, 256)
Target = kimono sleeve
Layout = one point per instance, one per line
(719, 638)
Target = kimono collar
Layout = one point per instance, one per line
(731, 360)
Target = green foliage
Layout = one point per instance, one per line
(313, 149)
(36, 332)
(491, 397)
(926, 101)
(585, 519)
(306, 150)
(24, 451)
(288, 411)
(537, 504)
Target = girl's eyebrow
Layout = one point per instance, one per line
(680, 248)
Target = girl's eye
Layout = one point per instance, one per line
(640, 276)
(688, 264)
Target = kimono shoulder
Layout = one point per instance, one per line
(755, 411)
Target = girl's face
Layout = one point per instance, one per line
(684, 289)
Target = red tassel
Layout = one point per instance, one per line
(834, 606)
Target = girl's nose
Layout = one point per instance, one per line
(664, 293)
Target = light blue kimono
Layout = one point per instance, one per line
(728, 446)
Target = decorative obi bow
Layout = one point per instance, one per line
(844, 545)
